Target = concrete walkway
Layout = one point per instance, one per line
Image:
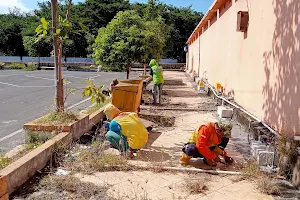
(164, 149)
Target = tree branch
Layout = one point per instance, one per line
(68, 11)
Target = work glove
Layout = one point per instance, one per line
(210, 162)
(217, 159)
(228, 159)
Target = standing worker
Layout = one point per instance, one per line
(156, 72)
(209, 142)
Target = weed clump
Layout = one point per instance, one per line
(89, 160)
(36, 139)
(58, 118)
(4, 161)
(195, 186)
(71, 186)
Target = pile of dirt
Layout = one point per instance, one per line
(148, 99)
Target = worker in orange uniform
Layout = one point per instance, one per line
(208, 142)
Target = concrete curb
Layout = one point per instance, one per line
(18, 172)
(21, 170)
(40, 127)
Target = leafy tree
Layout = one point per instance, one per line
(120, 43)
(10, 35)
(181, 23)
(129, 38)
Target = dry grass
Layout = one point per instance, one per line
(195, 186)
(58, 118)
(71, 188)
(91, 160)
(266, 185)
(265, 182)
(287, 156)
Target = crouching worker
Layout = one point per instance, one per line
(126, 131)
(209, 142)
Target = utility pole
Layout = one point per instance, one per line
(57, 64)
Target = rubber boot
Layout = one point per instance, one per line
(184, 160)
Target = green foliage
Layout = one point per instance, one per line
(129, 38)
(15, 66)
(94, 92)
(89, 17)
(36, 139)
(120, 43)
(4, 161)
(22, 66)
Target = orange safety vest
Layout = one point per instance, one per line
(204, 137)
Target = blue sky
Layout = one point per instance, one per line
(27, 5)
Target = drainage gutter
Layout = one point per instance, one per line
(241, 109)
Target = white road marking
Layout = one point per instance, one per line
(21, 130)
(70, 107)
(27, 86)
(9, 121)
(11, 135)
(76, 77)
(76, 104)
(91, 77)
(50, 79)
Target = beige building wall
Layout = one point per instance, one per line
(262, 67)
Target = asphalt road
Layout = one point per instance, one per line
(27, 95)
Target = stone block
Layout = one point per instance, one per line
(265, 158)
(224, 112)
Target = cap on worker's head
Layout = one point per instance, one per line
(191, 150)
(111, 111)
(226, 128)
(152, 63)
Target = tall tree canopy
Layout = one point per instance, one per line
(17, 28)
(129, 38)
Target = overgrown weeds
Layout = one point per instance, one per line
(91, 160)
(266, 185)
(287, 155)
(4, 161)
(265, 182)
(75, 188)
(195, 186)
(58, 118)
(36, 139)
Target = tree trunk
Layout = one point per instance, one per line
(144, 69)
(58, 77)
(127, 71)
